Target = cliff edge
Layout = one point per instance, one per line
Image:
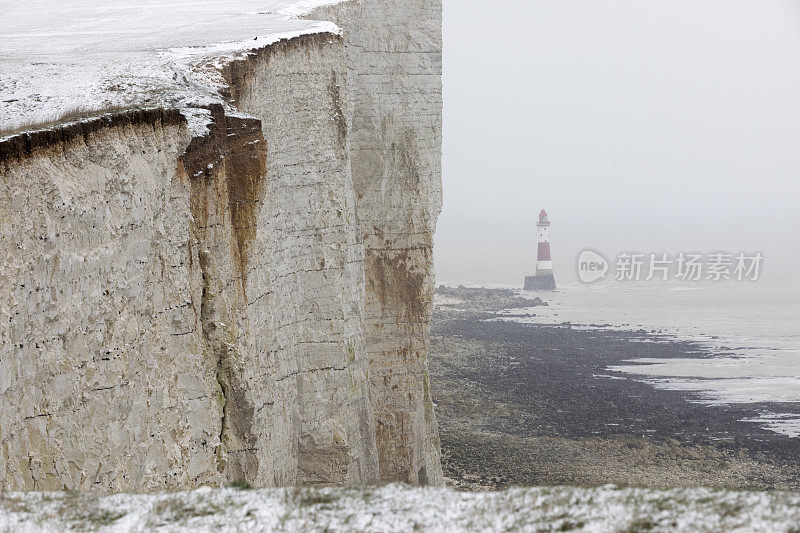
(218, 266)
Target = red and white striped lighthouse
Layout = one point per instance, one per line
(543, 280)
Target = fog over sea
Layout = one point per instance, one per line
(753, 327)
(651, 127)
(767, 310)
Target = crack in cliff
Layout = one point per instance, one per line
(226, 170)
(208, 324)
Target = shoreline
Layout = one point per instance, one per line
(537, 404)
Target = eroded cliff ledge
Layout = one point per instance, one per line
(235, 284)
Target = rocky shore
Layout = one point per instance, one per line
(522, 404)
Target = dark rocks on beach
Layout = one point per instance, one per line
(489, 299)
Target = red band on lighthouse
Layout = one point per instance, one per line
(544, 252)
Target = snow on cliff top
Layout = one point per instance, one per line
(59, 57)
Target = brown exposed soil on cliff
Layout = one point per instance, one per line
(245, 165)
(234, 156)
(397, 279)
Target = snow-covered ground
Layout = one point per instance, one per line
(401, 508)
(60, 58)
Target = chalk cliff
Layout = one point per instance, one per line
(233, 284)
(395, 135)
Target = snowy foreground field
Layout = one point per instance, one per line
(401, 508)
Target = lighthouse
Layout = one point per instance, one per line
(543, 280)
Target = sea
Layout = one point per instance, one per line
(751, 327)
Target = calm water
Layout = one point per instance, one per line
(755, 326)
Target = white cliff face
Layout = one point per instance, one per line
(395, 136)
(308, 260)
(239, 296)
(104, 382)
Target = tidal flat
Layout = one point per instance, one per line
(531, 404)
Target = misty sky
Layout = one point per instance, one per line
(648, 124)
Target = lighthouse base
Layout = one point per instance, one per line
(542, 281)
